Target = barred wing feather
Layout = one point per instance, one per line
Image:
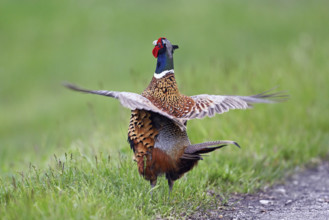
(209, 105)
(204, 105)
(130, 100)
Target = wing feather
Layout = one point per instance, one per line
(209, 105)
(130, 100)
(204, 105)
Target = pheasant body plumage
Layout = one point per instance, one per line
(164, 94)
(157, 142)
(157, 129)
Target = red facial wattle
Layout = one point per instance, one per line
(158, 47)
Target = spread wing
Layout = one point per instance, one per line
(130, 100)
(209, 105)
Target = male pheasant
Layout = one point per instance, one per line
(157, 128)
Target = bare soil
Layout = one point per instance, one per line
(305, 195)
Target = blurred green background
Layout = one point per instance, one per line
(226, 47)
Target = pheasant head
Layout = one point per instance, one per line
(162, 90)
(163, 51)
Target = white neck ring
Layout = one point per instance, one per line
(163, 73)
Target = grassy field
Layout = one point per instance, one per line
(64, 155)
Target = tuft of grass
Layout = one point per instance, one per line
(78, 186)
(226, 47)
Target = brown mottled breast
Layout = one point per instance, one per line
(142, 133)
(157, 143)
(164, 94)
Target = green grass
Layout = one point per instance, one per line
(226, 47)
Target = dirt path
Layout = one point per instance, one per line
(304, 196)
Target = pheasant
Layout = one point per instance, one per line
(157, 129)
